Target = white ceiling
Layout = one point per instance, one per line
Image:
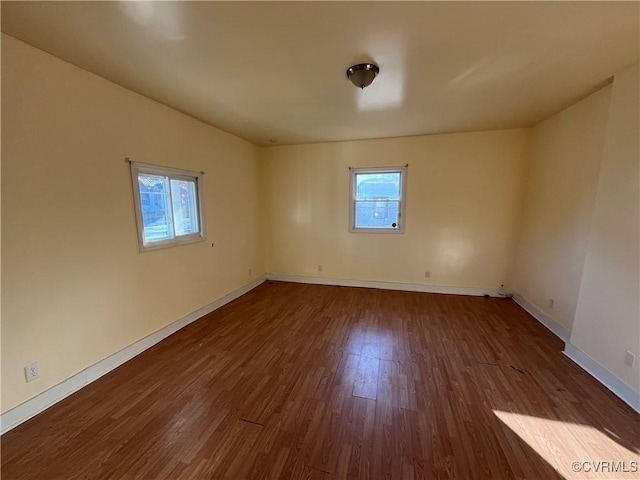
(264, 70)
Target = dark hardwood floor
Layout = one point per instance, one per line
(317, 382)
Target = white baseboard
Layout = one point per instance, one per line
(604, 376)
(408, 287)
(560, 331)
(23, 412)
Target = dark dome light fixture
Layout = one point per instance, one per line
(362, 74)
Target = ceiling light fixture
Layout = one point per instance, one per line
(362, 74)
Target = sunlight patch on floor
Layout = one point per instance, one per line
(576, 451)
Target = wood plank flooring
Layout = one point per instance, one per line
(299, 381)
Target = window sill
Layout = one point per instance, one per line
(171, 243)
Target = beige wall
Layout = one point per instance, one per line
(559, 195)
(75, 288)
(461, 210)
(607, 322)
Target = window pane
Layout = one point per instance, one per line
(377, 202)
(377, 214)
(156, 214)
(378, 186)
(185, 208)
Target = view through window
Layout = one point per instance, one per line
(168, 206)
(377, 199)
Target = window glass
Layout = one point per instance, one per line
(156, 212)
(377, 196)
(185, 209)
(168, 205)
(377, 200)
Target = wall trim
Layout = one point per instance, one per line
(558, 330)
(409, 287)
(623, 391)
(32, 407)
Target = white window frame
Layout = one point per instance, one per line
(173, 174)
(352, 207)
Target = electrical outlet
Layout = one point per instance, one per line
(629, 359)
(427, 274)
(551, 303)
(319, 268)
(31, 372)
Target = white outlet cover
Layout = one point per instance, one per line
(31, 372)
(629, 359)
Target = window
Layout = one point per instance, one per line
(168, 206)
(377, 199)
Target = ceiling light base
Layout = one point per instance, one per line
(362, 74)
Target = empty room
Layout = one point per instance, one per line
(320, 240)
